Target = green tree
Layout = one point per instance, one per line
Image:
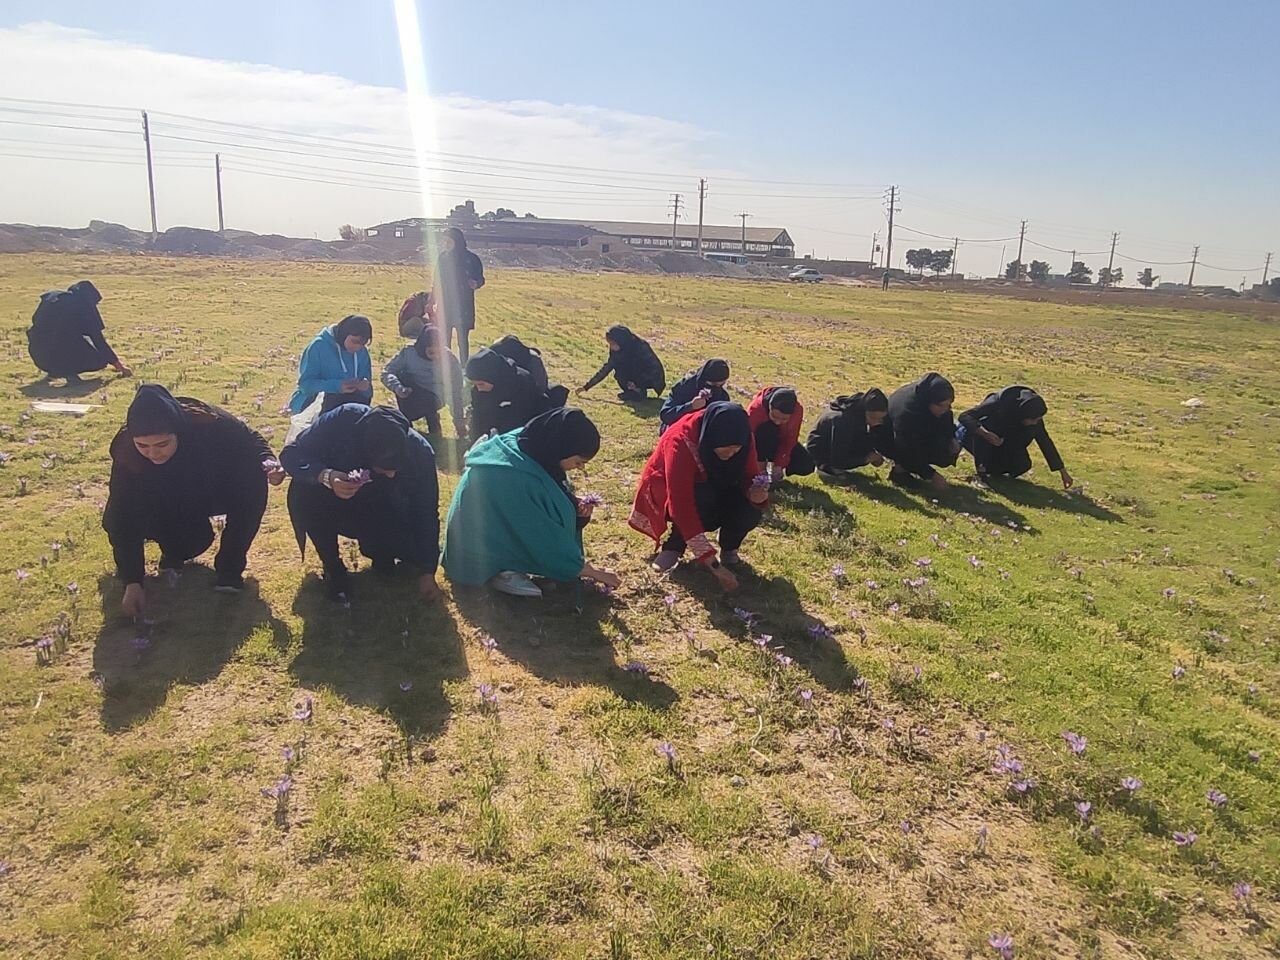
(919, 258)
(1108, 277)
(1079, 273)
(1038, 271)
(1015, 270)
(940, 262)
(1147, 279)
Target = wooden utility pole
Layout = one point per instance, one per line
(1017, 272)
(1195, 255)
(888, 248)
(217, 173)
(872, 260)
(744, 232)
(1266, 268)
(151, 180)
(675, 216)
(955, 248)
(1111, 260)
(702, 196)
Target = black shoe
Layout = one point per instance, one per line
(72, 379)
(630, 395)
(900, 477)
(337, 585)
(229, 583)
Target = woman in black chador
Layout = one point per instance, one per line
(65, 339)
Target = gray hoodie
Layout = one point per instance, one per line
(442, 376)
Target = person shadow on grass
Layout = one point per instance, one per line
(191, 635)
(388, 651)
(42, 389)
(566, 638)
(1030, 494)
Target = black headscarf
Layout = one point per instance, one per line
(352, 325)
(381, 435)
(724, 424)
(491, 367)
(557, 435)
(713, 371)
(426, 338)
(1031, 405)
(459, 238)
(154, 411)
(85, 290)
(515, 350)
(935, 388)
(621, 335)
(782, 399)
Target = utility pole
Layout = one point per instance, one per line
(217, 172)
(151, 180)
(744, 232)
(955, 248)
(675, 216)
(1017, 272)
(1112, 259)
(1195, 255)
(1000, 268)
(888, 251)
(1071, 266)
(1266, 268)
(872, 260)
(702, 196)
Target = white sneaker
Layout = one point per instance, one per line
(515, 584)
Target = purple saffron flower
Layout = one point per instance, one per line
(837, 571)
(746, 616)
(813, 841)
(270, 464)
(1254, 756)
(489, 644)
(73, 588)
(974, 562)
(140, 644)
(1083, 809)
(761, 481)
(906, 827)
(888, 723)
(1132, 784)
(902, 543)
(893, 609)
(860, 684)
(917, 671)
(303, 711)
(915, 583)
(488, 698)
(360, 476)
(1241, 891)
(762, 641)
(1253, 689)
(279, 790)
(635, 666)
(1217, 799)
(1002, 943)
(591, 500)
(1179, 671)
(288, 753)
(983, 836)
(1076, 742)
(406, 686)
(1185, 838)
(22, 575)
(871, 585)
(820, 631)
(667, 751)
(924, 563)
(806, 697)
(1170, 593)
(669, 600)
(1022, 786)
(44, 643)
(783, 660)
(1004, 574)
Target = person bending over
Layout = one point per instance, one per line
(514, 515)
(66, 339)
(336, 364)
(176, 463)
(530, 359)
(633, 364)
(424, 376)
(846, 434)
(416, 312)
(999, 430)
(364, 473)
(694, 392)
(776, 417)
(702, 476)
(503, 396)
(921, 433)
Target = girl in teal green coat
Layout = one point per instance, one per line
(514, 515)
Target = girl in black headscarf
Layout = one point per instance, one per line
(176, 463)
(698, 389)
(633, 363)
(514, 514)
(66, 338)
(364, 473)
(999, 430)
(702, 476)
(921, 433)
(503, 396)
(459, 274)
(845, 435)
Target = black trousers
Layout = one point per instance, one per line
(1006, 460)
(419, 405)
(938, 453)
(369, 517)
(801, 464)
(183, 538)
(728, 511)
(464, 342)
(642, 386)
(67, 357)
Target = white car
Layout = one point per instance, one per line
(805, 275)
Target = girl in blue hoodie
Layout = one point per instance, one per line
(336, 364)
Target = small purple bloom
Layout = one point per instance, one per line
(667, 751)
(806, 697)
(669, 600)
(983, 836)
(871, 585)
(44, 643)
(140, 644)
(1004, 574)
(303, 711)
(917, 671)
(488, 697)
(746, 616)
(762, 641)
(1241, 891)
(906, 827)
(1217, 799)
(761, 481)
(279, 790)
(1185, 838)
(1132, 784)
(893, 608)
(406, 686)
(1083, 809)
(489, 644)
(820, 631)
(974, 562)
(1254, 756)
(837, 571)
(1170, 593)
(1022, 786)
(73, 588)
(1002, 943)
(635, 666)
(22, 575)
(288, 753)
(1179, 671)
(902, 543)
(783, 660)
(360, 476)
(813, 841)
(924, 563)
(888, 723)
(591, 500)
(1076, 742)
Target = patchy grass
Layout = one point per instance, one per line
(422, 824)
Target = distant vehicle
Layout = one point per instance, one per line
(805, 275)
(739, 258)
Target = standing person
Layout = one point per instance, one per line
(884, 281)
(459, 274)
(363, 472)
(633, 363)
(514, 514)
(416, 312)
(695, 391)
(176, 463)
(424, 377)
(503, 396)
(336, 364)
(702, 477)
(999, 430)
(923, 432)
(66, 339)
(776, 416)
(846, 433)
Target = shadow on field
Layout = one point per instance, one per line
(43, 390)
(804, 497)
(779, 614)
(876, 487)
(386, 639)
(556, 643)
(194, 634)
(644, 409)
(1037, 495)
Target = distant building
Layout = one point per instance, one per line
(761, 242)
(530, 232)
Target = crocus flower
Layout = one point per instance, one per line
(783, 660)
(1179, 671)
(1170, 593)
(917, 671)
(279, 790)
(359, 476)
(761, 481)
(288, 753)
(635, 666)
(303, 711)
(1132, 784)
(1076, 742)
(806, 697)
(813, 841)
(1241, 891)
(140, 644)
(488, 697)
(1083, 809)
(1254, 756)
(872, 585)
(1002, 943)
(669, 600)
(1217, 799)
(820, 631)
(860, 684)
(591, 500)
(762, 641)
(888, 723)
(924, 563)
(1004, 574)
(837, 571)
(667, 751)
(906, 827)
(6, 868)
(270, 464)
(1185, 838)
(22, 575)
(73, 588)
(893, 609)
(983, 836)
(1022, 786)
(746, 616)
(406, 686)
(974, 561)
(489, 644)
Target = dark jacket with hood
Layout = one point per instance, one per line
(1002, 413)
(218, 463)
(633, 362)
(841, 438)
(921, 439)
(66, 332)
(525, 357)
(514, 400)
(456, 270)
(680, 400)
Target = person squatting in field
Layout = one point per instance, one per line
(703, 475)
(845, 435)
(529, 359)
(921, 433)
(999, 431)
(514, 514)
(364, 473)
(174, 464)
(503, 396)
(66, 338)
(425, 376)
(336, 365)
(634, 366)
(776, 416)
(694, 392)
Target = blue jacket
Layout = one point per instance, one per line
(323, 368)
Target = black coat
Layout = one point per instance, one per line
(507, 406)
(682, 395)
(455, 271)
(841, 439)
(66, 334)
(920, 439)
(999, 414)
(635, 362)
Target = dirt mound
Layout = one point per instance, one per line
(191, 240)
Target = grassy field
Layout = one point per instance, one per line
(874, 821)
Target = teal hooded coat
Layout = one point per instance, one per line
(508, 514)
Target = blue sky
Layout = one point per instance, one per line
(1154, 119)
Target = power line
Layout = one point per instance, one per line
(937, 236)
